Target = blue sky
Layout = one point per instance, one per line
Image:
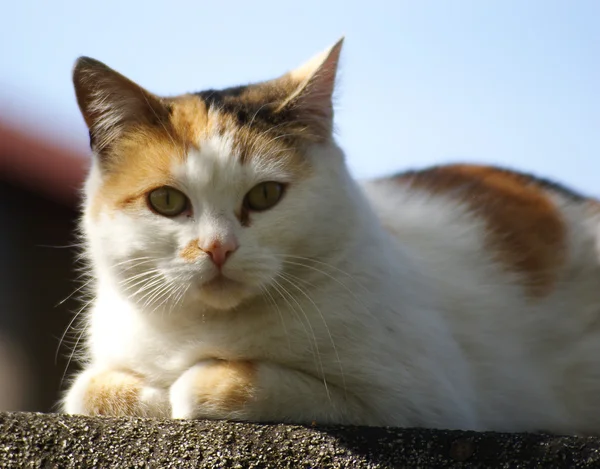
(510, 82)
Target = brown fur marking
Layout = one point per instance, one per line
(525, 229)
(226, 385)
(113, 393)
(191, 252)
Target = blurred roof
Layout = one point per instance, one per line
(31, 160)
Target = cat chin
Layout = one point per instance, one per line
(221, 301)
(222, 294)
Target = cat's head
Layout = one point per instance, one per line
(207, 197)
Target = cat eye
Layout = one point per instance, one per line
(168, 201)
(263, 196)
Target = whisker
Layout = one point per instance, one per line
(358, 300)
(134, 277)
(272, 301)
(158, 293)
(73, 351)
(326, 264)
(307, 296)
(66, 331)
(145, 283)
(167, 295)
(74, 348)
(319, 362)
(66, 246)
(78, 289)
(179, 298)
(128, 261)
(149, 290)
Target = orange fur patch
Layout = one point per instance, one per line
(113, 393)
(191, 252)
(141, 159)
(189, 118)
(226, 385)
(525, 229)
(139, 162)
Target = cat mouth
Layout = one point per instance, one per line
(222, 292)
(220, 282)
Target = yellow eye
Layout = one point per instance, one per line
(263, 196)
(168, 201)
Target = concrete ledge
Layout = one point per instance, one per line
(58, 441)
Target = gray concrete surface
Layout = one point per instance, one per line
(58, 441)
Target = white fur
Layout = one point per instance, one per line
(181, 393)
(421, 328)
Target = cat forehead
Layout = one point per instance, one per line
(214, 161)
(226, 130)
(243, 117)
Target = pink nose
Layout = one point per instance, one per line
(219, 251)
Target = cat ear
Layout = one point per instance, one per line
(111, 103)
(311, 102)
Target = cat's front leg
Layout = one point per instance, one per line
(259, 391)
(115, 393)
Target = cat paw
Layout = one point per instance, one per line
(115, 393)
(215, 389)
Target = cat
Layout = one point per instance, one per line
(240, 272)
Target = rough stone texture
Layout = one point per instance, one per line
(59, 441)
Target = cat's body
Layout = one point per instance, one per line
(456, 297)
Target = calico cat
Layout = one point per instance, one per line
(240, 272)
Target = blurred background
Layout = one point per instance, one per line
(423, 82)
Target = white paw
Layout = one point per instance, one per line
(182, 394)
(74, 401)
(181, 397)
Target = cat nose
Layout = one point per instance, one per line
(219, 251)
